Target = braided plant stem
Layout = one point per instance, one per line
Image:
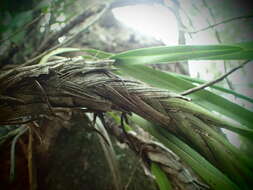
(32, 91)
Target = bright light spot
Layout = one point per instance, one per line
(61, 18)
(151, 20)
(233, 138)
(61, 39)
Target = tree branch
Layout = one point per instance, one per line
(90, 11)
(197, 88)
(219, 23)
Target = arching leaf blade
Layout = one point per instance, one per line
(186, 52)
(203, 98)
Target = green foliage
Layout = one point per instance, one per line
(98, 54)
(160, 177)
(56, 52)
(186, 52)
(130, 63)
(204, 98)
(211, 175)
(16, 14)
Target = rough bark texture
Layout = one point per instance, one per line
(75, 160)
(67, 154)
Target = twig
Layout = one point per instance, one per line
(31, 173)
(50, 22)
(75, 22)
(13, 146)
(218, 39)
(222, 22)
(230, 86)
(197, 88)
(51, 39)
(213, 18)
(217, 87)
(32, 60)
(33, 127)
(45, 97)
(106, 6)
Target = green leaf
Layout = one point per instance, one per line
(98, 54)
(220, 88)
(160, 177)
(93, 54)
(186, 52)
(203, 98)
(209, 117)
(245, 54)
(211, 175)
(56, 52)
(117, 119)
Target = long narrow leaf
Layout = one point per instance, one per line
(98, 53)
(186, 52)
(212, 118)
(211, 175)
(92, 52)
(204, 98)
(56, 52)
(160, 177)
